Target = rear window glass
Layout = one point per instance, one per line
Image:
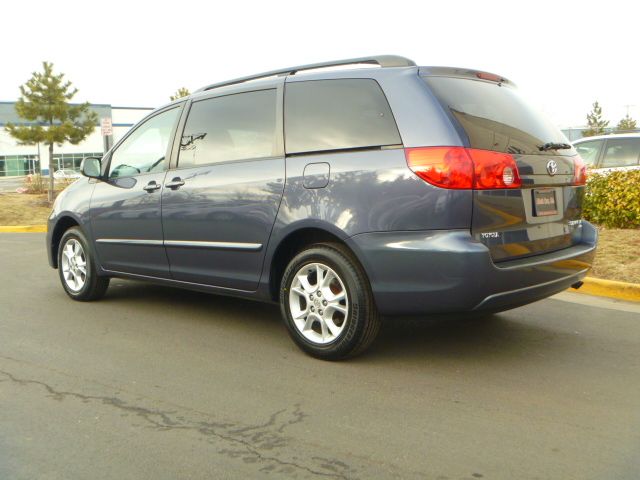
(495, 117)
(337, 114)
(621, 152)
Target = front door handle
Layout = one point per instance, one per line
(152, 186)
(175, 183)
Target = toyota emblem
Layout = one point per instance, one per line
(552, 167)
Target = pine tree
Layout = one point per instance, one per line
(181, 92)
(595, 122)
(626, 124)
(44, 102)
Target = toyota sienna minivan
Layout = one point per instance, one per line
(343, 194)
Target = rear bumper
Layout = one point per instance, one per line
(448, 271)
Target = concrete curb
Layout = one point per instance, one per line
(23, 228)
(591, 286)
(610, 288)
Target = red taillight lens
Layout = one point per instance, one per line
(490, 76)
(494, 170)
(579, 171)
(446, 167)
(464, 168)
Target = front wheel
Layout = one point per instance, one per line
(77, 268)
(327, 303)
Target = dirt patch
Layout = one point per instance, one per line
(618, 256)
(24, 209)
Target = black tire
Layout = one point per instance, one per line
(362, 322)
(94, 286)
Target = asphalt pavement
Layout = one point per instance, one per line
(157, 383)
(10, 184)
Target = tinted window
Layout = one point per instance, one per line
(144, 150)
(337, 114)
(233, 127)
(495, 117)
(621, 152)
(589, 151)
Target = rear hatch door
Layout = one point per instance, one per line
(544, 214)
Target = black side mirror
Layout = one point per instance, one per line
(91, 167)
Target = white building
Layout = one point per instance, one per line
(24, 159)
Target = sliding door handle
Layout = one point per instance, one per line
(174, 183)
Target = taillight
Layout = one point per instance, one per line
(490, 76)
(494, 170)
(579, 171)
(464, 168)
(446, 167)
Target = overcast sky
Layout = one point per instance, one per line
(563, 55)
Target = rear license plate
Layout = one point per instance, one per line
(544, 202)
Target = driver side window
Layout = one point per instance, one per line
(145, 149)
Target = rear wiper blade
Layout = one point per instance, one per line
(554, 146)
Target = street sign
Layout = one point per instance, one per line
(106, 127)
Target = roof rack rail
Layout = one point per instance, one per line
(384, 61)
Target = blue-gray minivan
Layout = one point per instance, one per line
(344, 194)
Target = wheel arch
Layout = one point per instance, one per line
(64, 223)
(293, 242)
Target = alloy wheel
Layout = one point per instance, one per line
(318, 303)
(74, 265)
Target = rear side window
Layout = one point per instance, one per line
(495, 117)
(325, 115)
(621, 152)
(233, 127)
(589, 151)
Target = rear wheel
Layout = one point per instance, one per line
(77, 268)
(327, 303)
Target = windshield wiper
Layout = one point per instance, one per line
(554, 146)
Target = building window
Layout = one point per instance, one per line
(71, 161)
(18, 165)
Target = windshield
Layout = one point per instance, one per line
(495, 117)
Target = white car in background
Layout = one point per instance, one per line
(605, 153)
(66, 174)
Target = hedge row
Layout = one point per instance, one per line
(613, 199)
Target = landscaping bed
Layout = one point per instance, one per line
(24, 209)
(618, 255)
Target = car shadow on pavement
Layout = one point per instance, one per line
(211, 307)
(506, 338)
(476, 337)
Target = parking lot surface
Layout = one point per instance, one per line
(158, 383)
(9, 184)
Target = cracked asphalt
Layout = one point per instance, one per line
(168, 384)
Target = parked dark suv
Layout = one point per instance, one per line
(343, 194)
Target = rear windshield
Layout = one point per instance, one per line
(495, 117)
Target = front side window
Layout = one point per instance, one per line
(621, 152)
(241, 126)
(589, 151)
(144, 150)
(339, 114)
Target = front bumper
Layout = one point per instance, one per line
(448, 271)
(53, 262)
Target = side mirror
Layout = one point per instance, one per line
(91, 167)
